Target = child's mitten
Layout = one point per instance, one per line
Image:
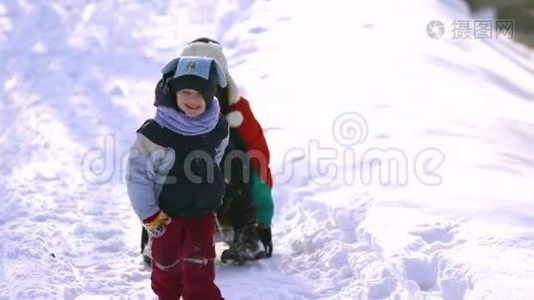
(155, 225)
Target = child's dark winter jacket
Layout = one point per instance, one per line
(162, 155)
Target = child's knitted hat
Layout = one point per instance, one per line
(201, 74)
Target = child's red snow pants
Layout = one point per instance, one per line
(183, 260)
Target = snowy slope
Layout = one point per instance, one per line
(335, 86)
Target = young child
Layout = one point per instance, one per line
(248, 204)
(174, 180)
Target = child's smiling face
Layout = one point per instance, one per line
(190, 102)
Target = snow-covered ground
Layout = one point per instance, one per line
(338, 86)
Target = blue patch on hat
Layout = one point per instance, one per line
(193, 65)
